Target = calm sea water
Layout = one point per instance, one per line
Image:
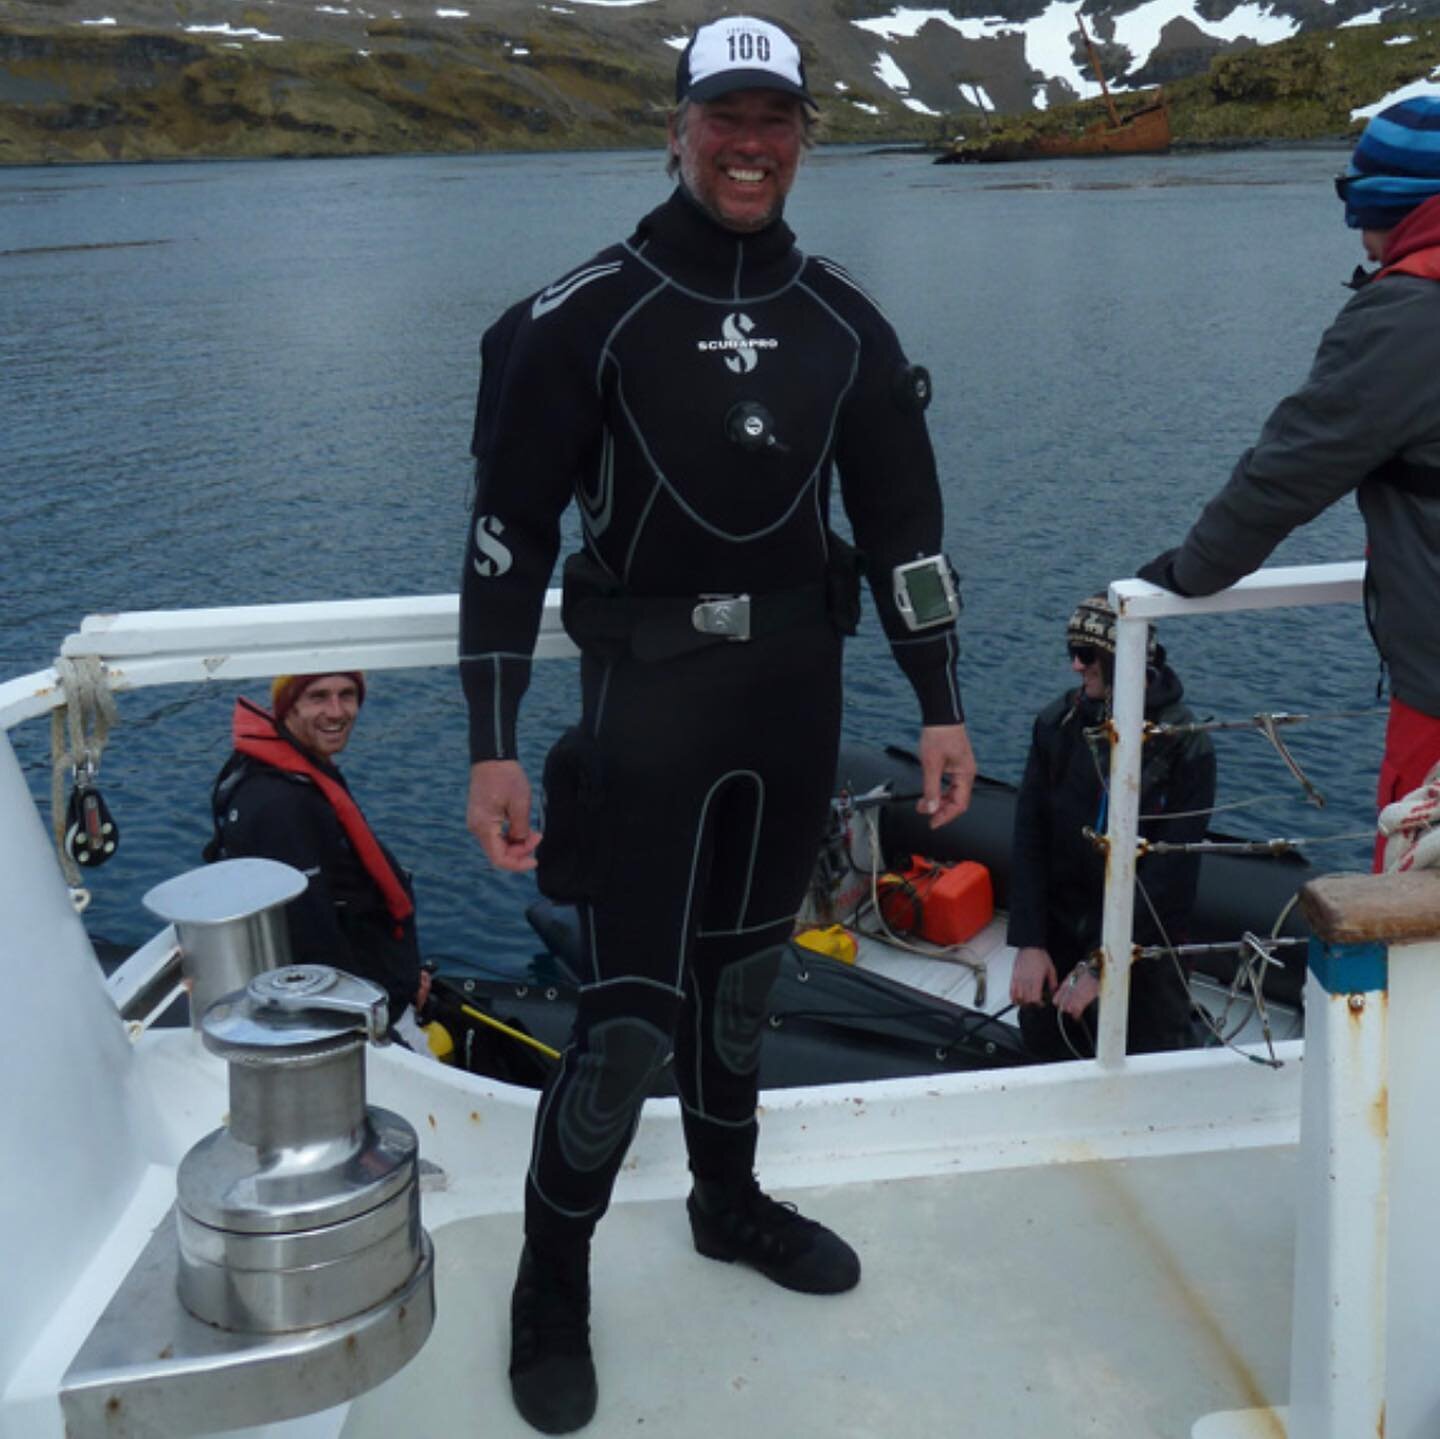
(236, 383)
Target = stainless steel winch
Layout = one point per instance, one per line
(229, 922)
(305, 1209)
(296, 1273)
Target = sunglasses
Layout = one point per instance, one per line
(1086, 654)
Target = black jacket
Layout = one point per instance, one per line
(341, 918)
(1058, 877)
(1366, 420)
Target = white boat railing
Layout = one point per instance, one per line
(1136, 604)
(162, 647)
(141, 649)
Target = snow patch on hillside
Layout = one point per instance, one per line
(1050, 38)
(1413, 91)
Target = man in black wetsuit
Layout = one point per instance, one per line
(1057, 875)
(281, 796)
(692, 390)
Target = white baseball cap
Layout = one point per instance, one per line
(740, 53)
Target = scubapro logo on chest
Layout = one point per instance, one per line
(739, 343)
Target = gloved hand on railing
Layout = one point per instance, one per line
(1161, 571)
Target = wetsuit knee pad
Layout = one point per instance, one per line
(739, 1016)
(608, 1083)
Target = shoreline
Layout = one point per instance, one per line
(1338, 143)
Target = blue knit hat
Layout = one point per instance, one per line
(1395, 166)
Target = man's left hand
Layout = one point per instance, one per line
(1077, 991)
(945, 753)
(497, 813)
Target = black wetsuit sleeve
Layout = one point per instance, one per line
(537, 418)
(892, 496)
(1030, 853)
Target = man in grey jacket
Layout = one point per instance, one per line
(1366, 420)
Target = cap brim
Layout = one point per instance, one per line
(729, 81)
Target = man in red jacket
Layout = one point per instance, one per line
(1366, 421)
(281, 796)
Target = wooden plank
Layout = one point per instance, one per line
(1373, 908)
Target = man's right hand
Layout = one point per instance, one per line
(498, 814)
(1032, 981)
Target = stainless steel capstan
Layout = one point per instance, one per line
(229, 923)
(292, 1273)
(305, 1209)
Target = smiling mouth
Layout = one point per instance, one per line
(745, 177)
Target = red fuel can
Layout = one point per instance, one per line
(944, 903)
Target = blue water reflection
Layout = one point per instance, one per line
(231, 383)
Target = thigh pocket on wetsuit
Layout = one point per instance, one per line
(568, 859)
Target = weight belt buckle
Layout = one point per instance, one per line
(727, 615)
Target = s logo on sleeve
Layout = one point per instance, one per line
(492, 557)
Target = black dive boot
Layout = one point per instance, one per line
(741, 1222)
(552, 1376)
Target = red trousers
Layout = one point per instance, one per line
(1412, 748)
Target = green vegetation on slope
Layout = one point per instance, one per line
(72, 93)
(1299, 89)
(1305, 88)
(131, 96)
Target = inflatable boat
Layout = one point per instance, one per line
(858, 1000)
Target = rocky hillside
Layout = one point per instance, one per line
(90, 80)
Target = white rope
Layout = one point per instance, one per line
(1411, 828)
(77, 739)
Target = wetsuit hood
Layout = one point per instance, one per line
(688, 244)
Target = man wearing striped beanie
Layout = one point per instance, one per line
(1394, 170)
(1367, 421)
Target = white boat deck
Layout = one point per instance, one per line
(1122, 1298)
(1097, 1248)
(1061, 1251)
